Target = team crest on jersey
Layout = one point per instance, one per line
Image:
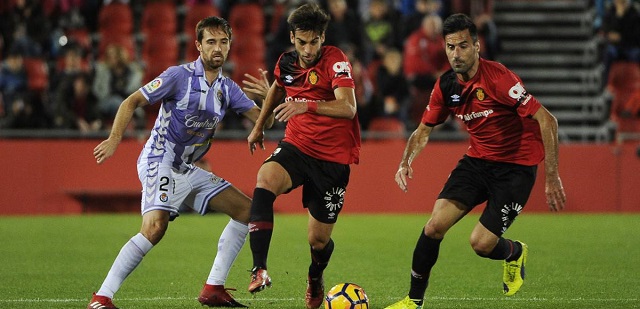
(215, 179)
(220, 97)
(153, 85)
(164, 197)
(313, 77)
(480, 94)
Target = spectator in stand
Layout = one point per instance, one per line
(424, 56)
(115, 78)
(69, 64)
(364, 86)
(13, 81)
(381, 28)
(25, 25)
(19, 108)
(424, 61)
(392, 89)
(621, 30)
(76, 107)
(345, 27)
(423, 8)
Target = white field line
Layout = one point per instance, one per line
(534, 299)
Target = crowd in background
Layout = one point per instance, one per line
(395, 47)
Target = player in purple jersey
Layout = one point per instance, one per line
(510, 133)
(194, 98)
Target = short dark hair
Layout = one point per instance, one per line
(308, 17)
(459, 22)
(212, 22)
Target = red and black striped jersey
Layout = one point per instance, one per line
(321, 137)
(496, 109)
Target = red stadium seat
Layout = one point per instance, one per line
(249, 46)
(115, 18)
(624, 79)
(37, 73)
(242, 67)
(195, 13)
(624, 84)
(191, 51)
(161, 49)
(159, 18)
(159, 53)
(127, 41)
(80, 36)
(247, 18)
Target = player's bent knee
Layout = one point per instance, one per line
(433, 231)
(154, 233)
(482, 249)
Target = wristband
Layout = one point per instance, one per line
(312, 107)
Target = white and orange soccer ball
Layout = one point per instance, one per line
(346, 296)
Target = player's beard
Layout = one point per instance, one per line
(311, 60)
(214, 61)
(460, 66)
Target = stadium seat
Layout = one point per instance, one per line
(115, 18)
(624, 79)
(159, 18)
(38, 74)
(249, 46)
(195, 13)
(161, 49)
(127, 41)
(80, 36)
(159, 53)
(247, 18)
(191, 51)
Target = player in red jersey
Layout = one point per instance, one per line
(314, 93)
(510, 133)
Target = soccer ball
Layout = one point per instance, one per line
(346, 296)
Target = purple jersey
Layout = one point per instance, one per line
(190, 112)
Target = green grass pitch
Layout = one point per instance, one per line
(575, 261)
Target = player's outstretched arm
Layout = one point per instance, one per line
(124, 115)
(554, 191)
(275, 95)
(257, 89)
(417, 141)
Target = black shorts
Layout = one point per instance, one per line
(323, 183)
(504, 186)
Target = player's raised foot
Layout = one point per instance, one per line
(101, 302)
(513, 275)
(217, 296)
(259, 280)
(315, 292)
(406, 303)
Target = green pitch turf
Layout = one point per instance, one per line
(575, 261)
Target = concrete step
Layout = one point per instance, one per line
(552, 60)
(544, 6)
